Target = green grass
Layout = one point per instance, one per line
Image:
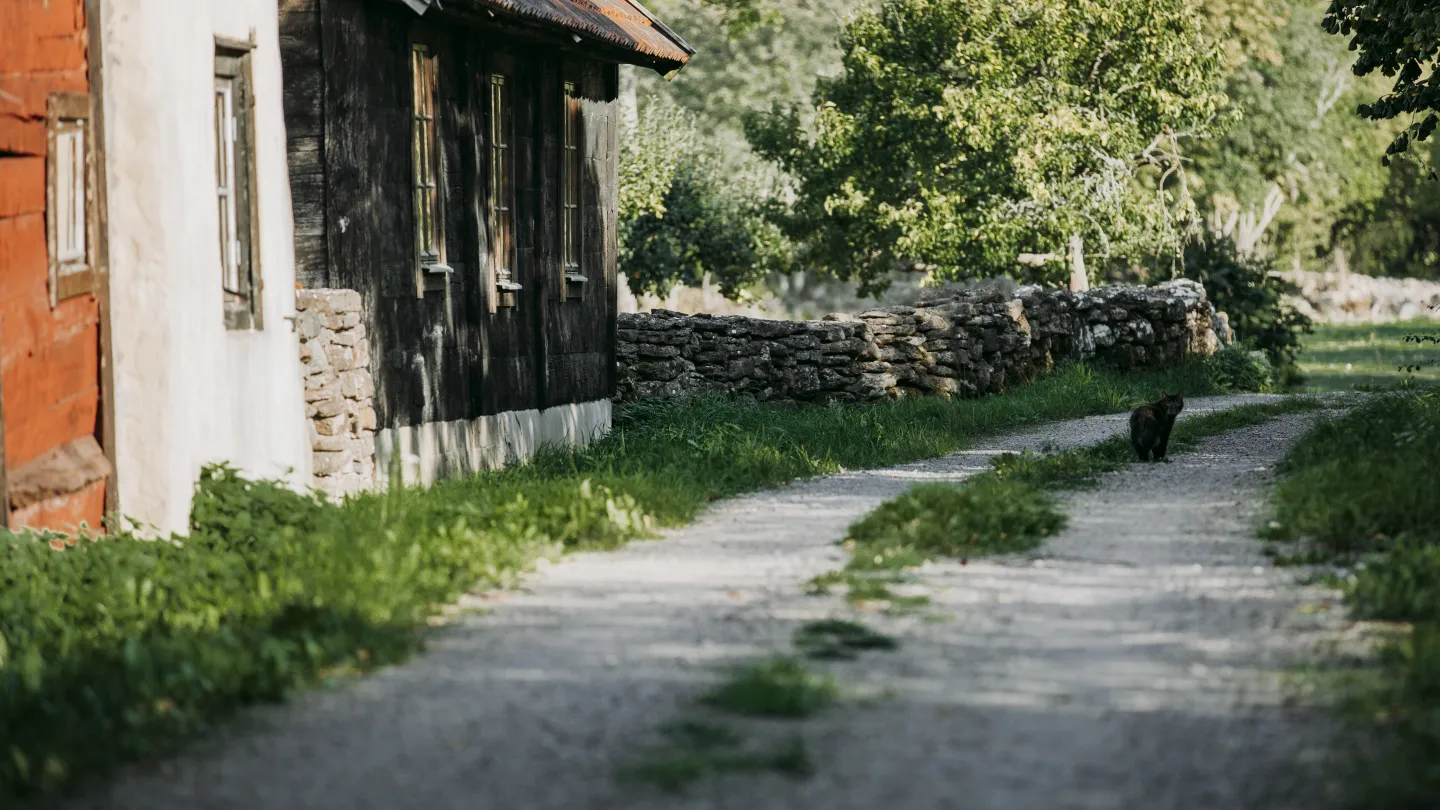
(120, 649)
(1362, 490)
(838, 639)
(1342, 357)
(779, 688)
(1004, 510)
(696, 749)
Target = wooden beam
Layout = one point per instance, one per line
(101, 236)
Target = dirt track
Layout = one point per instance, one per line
(1132, 662)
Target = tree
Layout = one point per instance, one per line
(1400, 39)
(683, 216)
(964, 133)
(1277, 179)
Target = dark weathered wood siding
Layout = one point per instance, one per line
(450, 353)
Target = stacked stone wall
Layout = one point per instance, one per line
(1352, 298)
(339, 391)
(967, 344)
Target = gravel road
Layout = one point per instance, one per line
(1132, 662)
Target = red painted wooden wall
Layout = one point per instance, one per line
(49, 356)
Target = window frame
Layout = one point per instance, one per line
(500, 198)
(427, 174)
(572, 218)
(71, 276)
(242, 305)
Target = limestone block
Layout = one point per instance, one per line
(329, 444)
(351, 337)
(334, 406)
(331, 425)
(309, 324)
(342, 358)
(362, 447)
(366, 419)
(357, 385)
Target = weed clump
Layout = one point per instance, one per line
(781, 687)
(840, 639)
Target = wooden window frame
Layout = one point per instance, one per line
(70, 276)
(572, 229)
(501, 197)
(241, 282)
(427, 174)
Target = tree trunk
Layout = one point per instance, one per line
(1079, 280)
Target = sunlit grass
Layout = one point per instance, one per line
(1341, 357)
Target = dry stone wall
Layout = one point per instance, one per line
(1352, 298)
(339, 391)
(967, 344)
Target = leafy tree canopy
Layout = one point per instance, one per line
(1399, 39)
(1298, 155)
(962, 133)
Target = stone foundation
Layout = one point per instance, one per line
(339, 392)
(967, 344)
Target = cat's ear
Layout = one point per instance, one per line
(1164, 394)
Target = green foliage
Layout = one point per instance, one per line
(681, 218)
(1355, 483)
(1366, 482)
(1402, 585)
(1235, 369)
(1295, 149)
(780, 687)
(1395, 233)
(990, 516)
(1399, 39)
(1247, 289)
(963, 132)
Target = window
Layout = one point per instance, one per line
(68, 196)
(235, 188)
(425, 158)
(502, 193)
(571, 247)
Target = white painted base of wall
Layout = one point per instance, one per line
(437, 450)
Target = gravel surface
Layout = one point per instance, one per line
(1130, 663)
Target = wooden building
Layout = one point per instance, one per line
(456, 164)
(55, 419)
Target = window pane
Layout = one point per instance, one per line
(225, 187)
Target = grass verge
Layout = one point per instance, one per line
(1342, 357)
(1006, 509)
(119, 649)
(1362, 490)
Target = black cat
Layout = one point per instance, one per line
(1150, 425)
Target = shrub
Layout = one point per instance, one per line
(1236, 369)
(1247, 289)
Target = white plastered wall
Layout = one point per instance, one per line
(434, 450)
(187, 390)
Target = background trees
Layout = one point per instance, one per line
(1287, 173)
(961, 134)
